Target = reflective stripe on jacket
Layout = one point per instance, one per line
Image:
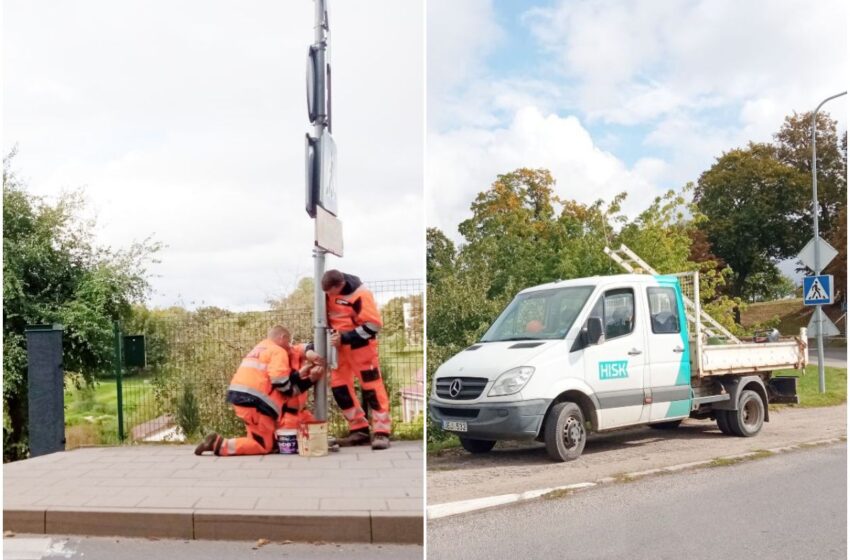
(253, 386)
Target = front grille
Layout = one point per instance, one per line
(458, 412)
(470, 387)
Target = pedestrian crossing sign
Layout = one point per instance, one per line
(817, 290)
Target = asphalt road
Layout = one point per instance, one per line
(38, 547)
(835, 354)
(792, 505)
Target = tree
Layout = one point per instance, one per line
(54, 273)
(838, 266)
(754, 207)
(440, 255)
(300, 298)
(511, 222)
(794, 148)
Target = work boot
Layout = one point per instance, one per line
(211, 443)
(380, 441)
(354, 438)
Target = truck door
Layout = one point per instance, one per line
(669, 371)
(615, 367)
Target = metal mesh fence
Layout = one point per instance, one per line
(191, 356)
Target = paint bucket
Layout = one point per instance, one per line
(313, 439)
(287, 441)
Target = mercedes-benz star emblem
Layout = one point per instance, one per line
(455, 387)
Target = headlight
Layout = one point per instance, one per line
(512, 381)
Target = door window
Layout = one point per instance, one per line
(616, 308)
(663, 310)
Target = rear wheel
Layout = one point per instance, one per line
(749, 418)
(477, 445)
(671, 425)
(564, 432)
(722, 417)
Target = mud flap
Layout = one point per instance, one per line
(783, 390)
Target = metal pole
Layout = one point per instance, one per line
(319, 313)
(815, 211)
(117, 332)
(320, 340)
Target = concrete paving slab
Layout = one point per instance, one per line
(356, 495)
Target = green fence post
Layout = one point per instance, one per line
(117, 332)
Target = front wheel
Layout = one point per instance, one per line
(477, 445)
(564, 432)
(749, 418)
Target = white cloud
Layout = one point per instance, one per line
(460, 36)
(635, 61)
(187, 120)
(463, 162)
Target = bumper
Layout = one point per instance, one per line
(494, 421)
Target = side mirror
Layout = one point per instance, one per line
(593, 330)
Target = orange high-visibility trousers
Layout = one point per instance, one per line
(260, 439)
(361, 363)
(295, 412)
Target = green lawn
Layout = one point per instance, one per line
(91, 412)
(807, 386)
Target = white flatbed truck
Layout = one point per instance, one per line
(604, 353)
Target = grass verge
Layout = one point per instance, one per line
(809, 390)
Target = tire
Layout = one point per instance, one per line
(722, 417)
(749, 418)
(564, 433)
(477, 445)
(671, 425)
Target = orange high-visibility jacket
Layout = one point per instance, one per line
(252, 384)
(354, 313)
(264, 370)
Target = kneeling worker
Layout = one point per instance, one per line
(263, 382)
(302, 358)
(354, 315)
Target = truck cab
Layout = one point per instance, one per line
(590, 354)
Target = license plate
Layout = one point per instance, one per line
(454, 426)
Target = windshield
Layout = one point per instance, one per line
(546, 314)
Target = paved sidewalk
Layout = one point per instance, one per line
(356, 495)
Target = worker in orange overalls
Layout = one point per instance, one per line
(353, 314)
(295, 412)
(263, 382)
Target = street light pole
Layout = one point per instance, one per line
(815, 212)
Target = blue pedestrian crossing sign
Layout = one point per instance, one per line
(817, 290)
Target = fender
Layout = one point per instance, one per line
(564, 385)
(736, 385)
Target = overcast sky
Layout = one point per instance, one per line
(616, 95)
(186, 121)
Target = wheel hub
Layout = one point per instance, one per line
(749, 413)
(573, 431)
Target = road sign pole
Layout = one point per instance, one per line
(816, 213)
(320, 332)
(320, 339)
